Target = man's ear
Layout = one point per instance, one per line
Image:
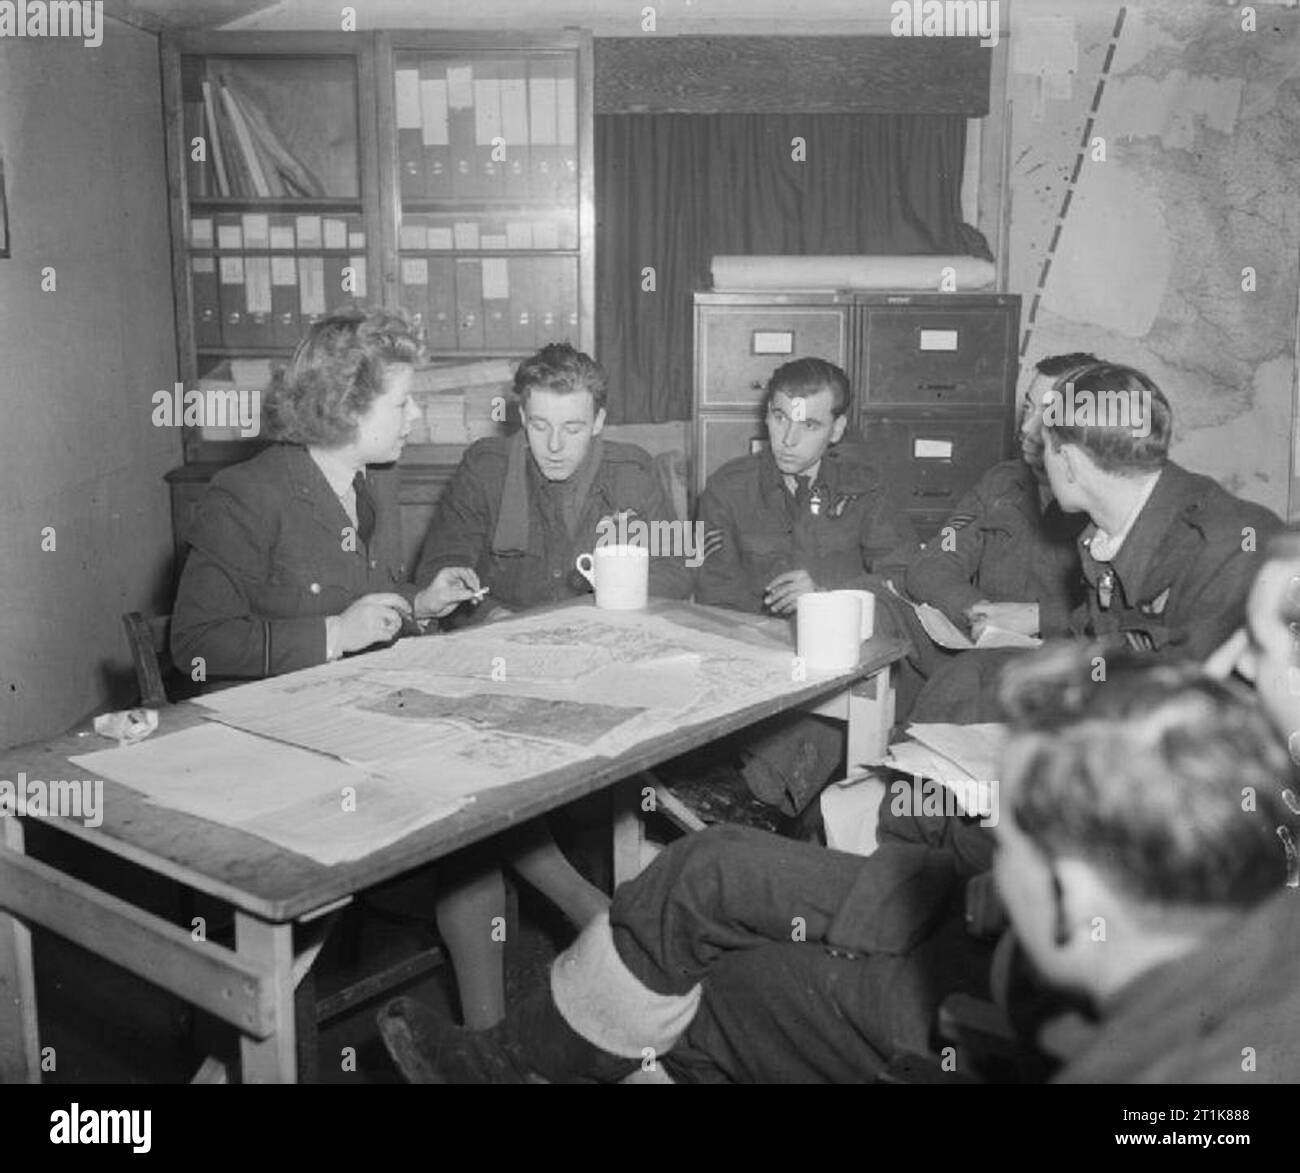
(1087, 900)
(1073, 457)
(598, 424)
(837, 428)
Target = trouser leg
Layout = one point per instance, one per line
(964, 691)
(720, 890)
(807, 1013)
(789, 760)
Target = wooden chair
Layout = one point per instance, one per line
(148, 642)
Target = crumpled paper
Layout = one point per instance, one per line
(127, 726)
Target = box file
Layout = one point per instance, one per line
(410, 147)
(284, 301)
(207, 304)
(469, 304)
(257, 300)
(434, 131)
(440, 318)
(234, 328)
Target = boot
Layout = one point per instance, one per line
(597, 1022)
(533, 1045)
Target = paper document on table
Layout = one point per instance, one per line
(288, 795)
(527, 696)
(471, 654)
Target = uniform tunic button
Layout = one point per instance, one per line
(314, 588)
(373, 563)
(555, 574)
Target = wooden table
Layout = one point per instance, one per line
(252, 985)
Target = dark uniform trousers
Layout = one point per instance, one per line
(817, 966)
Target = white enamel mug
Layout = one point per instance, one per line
(620, 576)
(831, 625)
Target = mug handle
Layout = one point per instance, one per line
(588, 571)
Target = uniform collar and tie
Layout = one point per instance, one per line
(1106, 547)
(1132, 551)
(349, 485)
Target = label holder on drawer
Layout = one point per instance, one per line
(931, 449)
(771, 342)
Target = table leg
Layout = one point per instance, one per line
(629, 830)
(19, 1041)
(870, 718)
(270, 948)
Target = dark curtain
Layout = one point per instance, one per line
(674, 190)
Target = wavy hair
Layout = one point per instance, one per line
(336, 373)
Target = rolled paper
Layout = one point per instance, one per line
(853, 272)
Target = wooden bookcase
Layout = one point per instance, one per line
(449, 173)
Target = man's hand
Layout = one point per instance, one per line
(1017, 617)
(782, 593)
(985, 915)
(452, 586)
(370, 620)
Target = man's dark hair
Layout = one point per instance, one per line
(1056, 365)
(1087, 394)
(562, 368)
(807, 376)
(1145, 774)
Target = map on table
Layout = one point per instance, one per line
(528, 716)
(422, 727)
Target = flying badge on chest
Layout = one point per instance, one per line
(840, 502)
(1157, 605)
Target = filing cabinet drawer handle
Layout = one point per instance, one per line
(937, 386)
(931, 493)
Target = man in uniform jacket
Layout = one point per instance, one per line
(808, 513)
(1124, 806)
(520, 509)
(1167, 556)
(1007, 555)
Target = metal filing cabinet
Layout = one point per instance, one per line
(933, 378)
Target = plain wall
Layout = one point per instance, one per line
(81, 138)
